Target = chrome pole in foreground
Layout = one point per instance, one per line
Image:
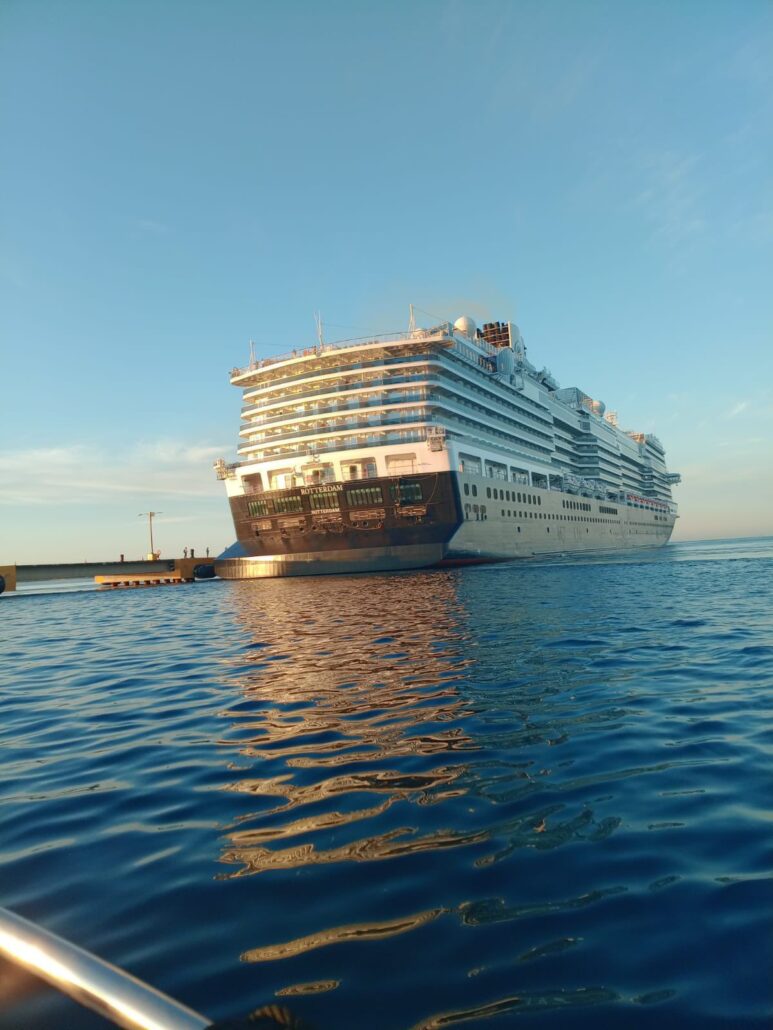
(96, 984)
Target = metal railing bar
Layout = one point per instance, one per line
(94, 983)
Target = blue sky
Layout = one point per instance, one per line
(181, 177)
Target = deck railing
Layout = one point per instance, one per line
(418, 335)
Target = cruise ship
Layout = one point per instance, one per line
(435, 446)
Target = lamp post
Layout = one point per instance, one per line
(151, 515)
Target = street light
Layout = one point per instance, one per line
(151, 515)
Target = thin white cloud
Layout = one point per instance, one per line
(152, 226)
(76, 473)
(46, 458)
(670, 199)
(737, 409)
(173, 452)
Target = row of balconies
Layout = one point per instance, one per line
(302, 449)
(331, 389)
(375, 400)
(265, 439)
(335, 370)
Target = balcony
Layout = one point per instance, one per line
(309, 449)
(324, 411)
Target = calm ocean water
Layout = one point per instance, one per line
(535, 794)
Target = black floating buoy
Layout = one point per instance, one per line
(2, 583)
(204, 572)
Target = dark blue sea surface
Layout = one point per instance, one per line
(535, 794)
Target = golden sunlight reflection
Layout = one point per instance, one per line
(345, 676)
(356, 932)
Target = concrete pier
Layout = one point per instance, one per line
(182, 567)
(86, 570)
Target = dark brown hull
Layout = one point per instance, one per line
(396, 522)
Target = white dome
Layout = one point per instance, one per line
(465, 326)
(598, 408)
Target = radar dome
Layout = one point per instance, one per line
(598, 408)
(465, 326)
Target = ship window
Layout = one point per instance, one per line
(488, 491)
(467, 489)
(469, 463)
(495, 470)
(406, 491)
(474, 490)
(257, 508)
(365, 495)
(290, 502)
(321, 500)
(401, 464)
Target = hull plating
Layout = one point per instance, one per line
(453, 518)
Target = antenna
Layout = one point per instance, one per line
(411, 320)
(252, 354)
(318, 320)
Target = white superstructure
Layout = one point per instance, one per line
(450, 399)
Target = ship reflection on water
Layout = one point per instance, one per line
(352, 715)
